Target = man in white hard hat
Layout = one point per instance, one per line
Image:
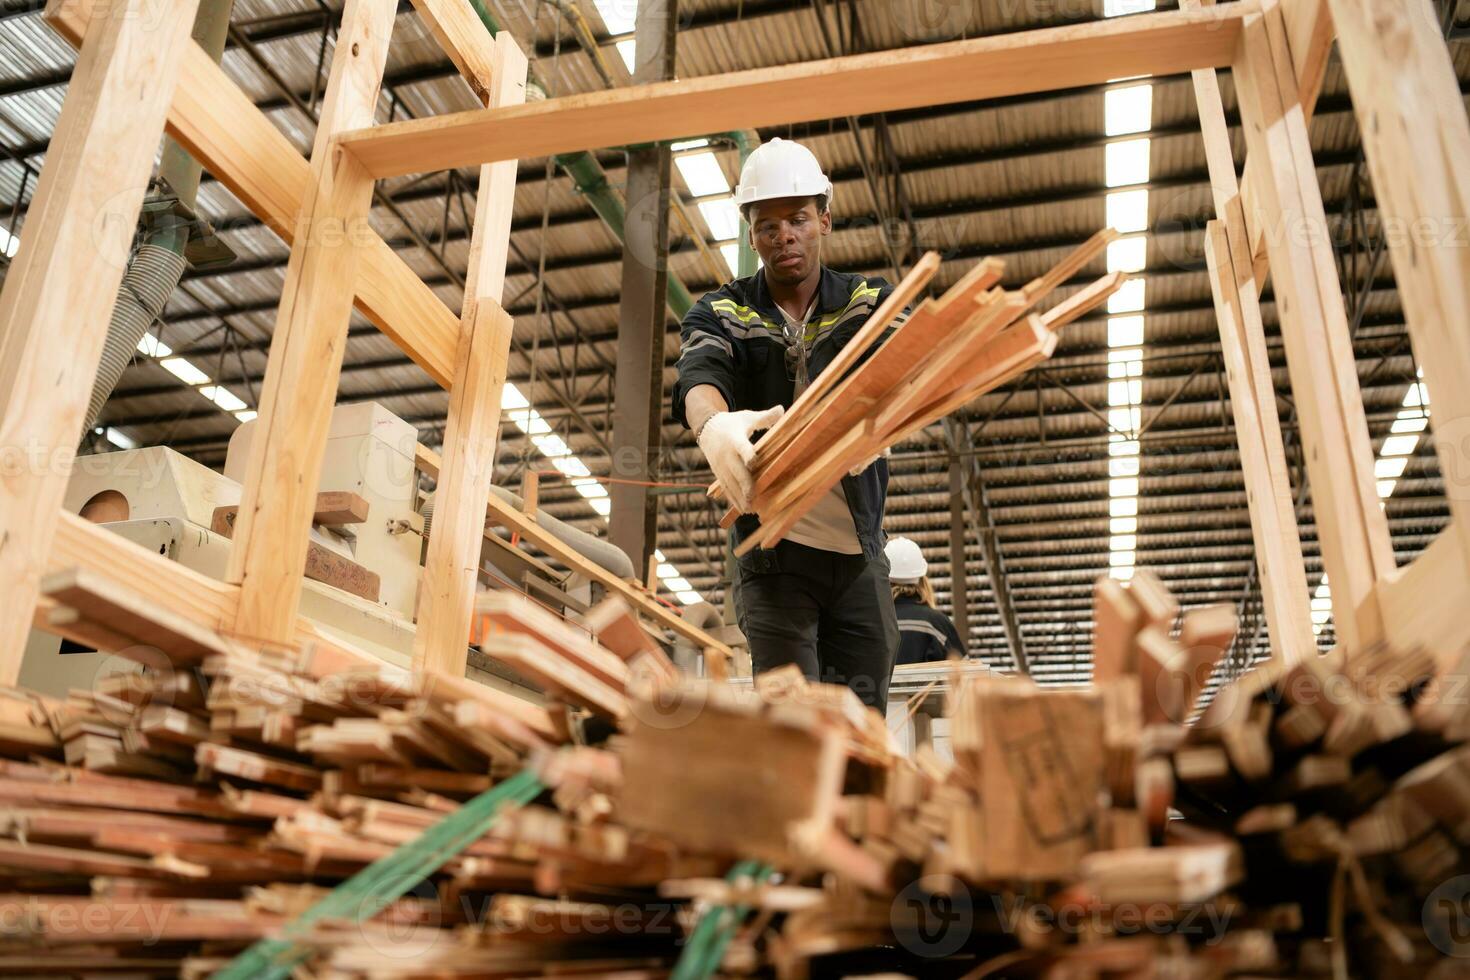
(820, 598)
(924, 633)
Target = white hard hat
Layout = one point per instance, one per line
(906, 564)
(781, 168)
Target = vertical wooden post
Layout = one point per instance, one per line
(1417, 141)
(447, 598)
(1351, 527)
(1274, 528)
(61, 288)
(1252, 391)
(279, 494)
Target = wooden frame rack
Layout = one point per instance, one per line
(138, 74)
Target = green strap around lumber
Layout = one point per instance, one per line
(384, 881)
(705, 949)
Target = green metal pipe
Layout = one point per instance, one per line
(591, 182)
(746, 265)
(175, 165)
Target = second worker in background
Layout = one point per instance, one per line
(925, 634)
(819, 599)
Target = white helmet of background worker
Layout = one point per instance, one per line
(906, 564)
(781, 168)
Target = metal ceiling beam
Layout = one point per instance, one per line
(642, 315)
(977, 507)
(959, 598)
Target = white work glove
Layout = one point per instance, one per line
(858, 470)
(725, 441)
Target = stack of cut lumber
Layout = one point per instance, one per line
(158, 823)
(1324, 805)
(949, 351)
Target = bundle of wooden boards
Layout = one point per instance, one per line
(948, 351)
(159, 822)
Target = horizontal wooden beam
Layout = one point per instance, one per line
(937, 74)
(218, 124)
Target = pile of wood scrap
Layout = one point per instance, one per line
(160, 822)
(948, 352)
(1324, 805)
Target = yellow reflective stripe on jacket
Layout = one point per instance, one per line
(815, 329)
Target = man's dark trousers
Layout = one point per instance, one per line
(830, 614)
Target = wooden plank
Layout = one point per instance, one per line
(684, 782)
(1083, 301)
(428, 461)
(82, 544)
(924, 75)
(1424, 602)
(337, 507)
(220, 127)
(1274, 531)
(1417, 142)
(904, 293)
(1070, 266)
(1040, 767)
(616, 627)
(322, 564)
(1018, 348)
(133, 616)
(244, 764)
(1117, 618)
(279, 491)
(934, 350)
(1309, 32)
(558, 675)
(451, 568)
(1159, 606)
(1351, 524)
(915, 343)
(61, 286)
(201, 600)
(463, 36)
(793, 498)
(512, 613)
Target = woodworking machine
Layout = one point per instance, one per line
(170, 504)
(183, 510)
(166, 502)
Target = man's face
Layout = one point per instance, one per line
(787, 234)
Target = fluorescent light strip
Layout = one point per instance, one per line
(119, 440)
(189, 373)
(519, 411)
(1126, 110)
(1403, 439)
(707, 183)
(8, 243)
(731, 253)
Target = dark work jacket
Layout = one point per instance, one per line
(732, 339)
(924, 633)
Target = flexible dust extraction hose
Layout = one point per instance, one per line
(155, 271)
(595, 549)
(152, 276)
